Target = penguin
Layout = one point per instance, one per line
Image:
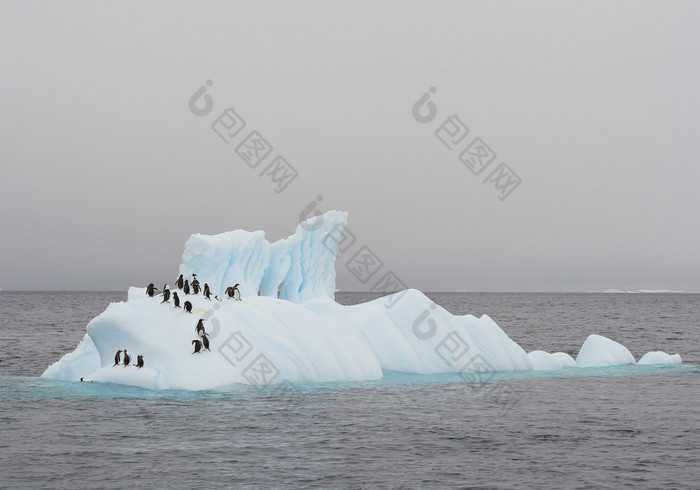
(178, 282)
(193, 278)
(188, 307)
(166, 294)
(127, 358)
(205, 341)
(199, 329)
(117, 357)
(206, 292)
(139, 361)
(176, 299)
(186, 287)
(195, 287)
(150, 290)
(233, 292)
(197, 346)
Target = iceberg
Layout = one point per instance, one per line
(544, 361)
(287, 327)
(660, 358)
(599, 351)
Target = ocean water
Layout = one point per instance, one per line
(635, 427)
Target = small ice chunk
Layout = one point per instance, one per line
(660, 357)
(544, 361)
(601, 351)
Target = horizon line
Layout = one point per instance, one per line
(649, 291)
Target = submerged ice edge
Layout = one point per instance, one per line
(304, 336)
(37, 388)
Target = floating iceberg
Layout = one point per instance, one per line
(544, 361)
(660, 358)
(289, 329)
(600, 351)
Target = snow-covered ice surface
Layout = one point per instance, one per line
(288, 328)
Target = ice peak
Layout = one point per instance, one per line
(300, 267)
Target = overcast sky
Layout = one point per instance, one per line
(106, 170)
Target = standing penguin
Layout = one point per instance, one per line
(186, 287)
(166, 294)
(118, 357)
(127, 358)
(195, 287)
(199, 329)
(205, 341)
(150, 290)
(207, 293)
(193, 278)
(178, 282)
(188, 307)
(139, 362)
(176, 299)
(197, 346)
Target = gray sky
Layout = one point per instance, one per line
(594, 105)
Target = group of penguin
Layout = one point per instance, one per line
(202, 341)
(127, 359)
(187, 285)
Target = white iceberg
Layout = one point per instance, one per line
(660, 358)
(600, 351)
(289, 329)
(544, 361)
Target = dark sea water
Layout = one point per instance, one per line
(634, 427)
